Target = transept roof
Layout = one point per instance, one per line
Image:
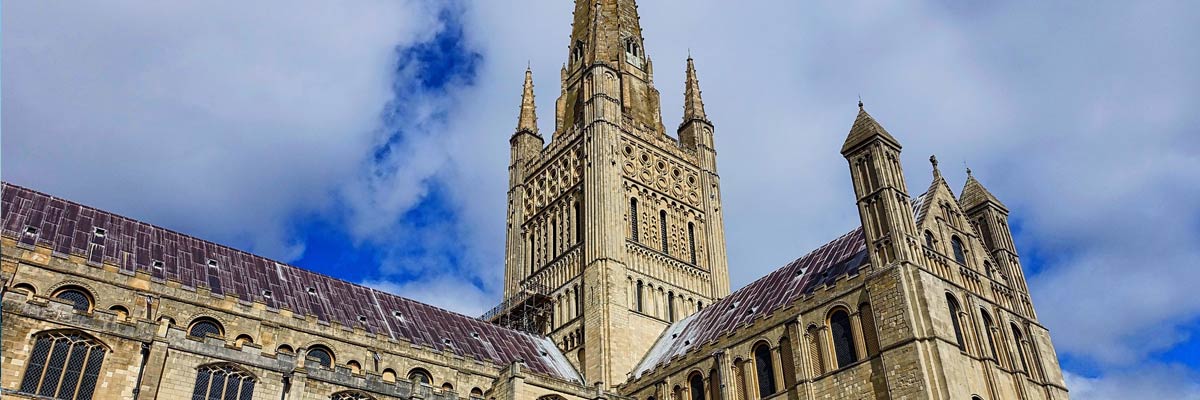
(841, 257)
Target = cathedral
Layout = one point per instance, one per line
(616, 283)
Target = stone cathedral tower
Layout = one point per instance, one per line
(614, 225)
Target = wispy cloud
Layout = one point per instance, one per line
(388, 122)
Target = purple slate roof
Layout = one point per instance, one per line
(843, 256)
(71, 228)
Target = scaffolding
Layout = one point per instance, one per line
(527, 310)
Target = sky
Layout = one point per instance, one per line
(368, 139)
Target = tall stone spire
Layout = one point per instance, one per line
(866, 128)
(604, 30)
(527, 122)
(974, 194)
(693, 105)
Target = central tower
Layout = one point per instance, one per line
(614, 228)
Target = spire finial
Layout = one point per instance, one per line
(968, 168)
(933, 160)
(693, 106)
(527, 121)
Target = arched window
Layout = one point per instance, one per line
(321, 355)
(815, 360)
(476, 393)
(350, 395)
(787, 361)
(26, 288)
(870, 337)
(633, 216)
(223, 381)
(739, 380)
(447, 387)
(243, 340)
(640, 296)
(578, 224)
(120, 310)
(989, 333)
(1018, 338)
(696, 386)
(671, 306)
(63, 365)
(662, 222)
(957, 244)
(976, 397)
(204, 326)
(80, 298)
(956, 321)
(764, 367)
(553, 238)
(929, 239)
(354, 367)
(843, 337)
(692, 240)
(714, 386)
(420, 375)
(578, 300)
(285, 349)
(389, 375)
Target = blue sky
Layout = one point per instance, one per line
(368, 140)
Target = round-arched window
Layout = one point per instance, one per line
(80, 298)
(959, 254)
(420, 375)
(202, 327)
(322, 355)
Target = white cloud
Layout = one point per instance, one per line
(1147, 382)
(218, 120)
(228, 124)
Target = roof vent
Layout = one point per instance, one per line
(674, 335)
(362, 318)
(99, 232)
(687, 342)
(475, 335)
(212, 263)
(398, 315)
(31, 230)
(266, 294)
(312, 290)
(446, 341)
(157, 264)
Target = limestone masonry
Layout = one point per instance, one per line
(616, 283)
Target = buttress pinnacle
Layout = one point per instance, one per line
(528, 119)
(693, 105)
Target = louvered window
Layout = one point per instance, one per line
(662, 222)
(692, 241)
(633, 219)
(63, 365)
(223, 382)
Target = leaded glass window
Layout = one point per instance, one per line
(350, 395)
(80, 299)
(321, 355)
(202, 327)
(843, 338)
(63, 365)
(223, 382)
(765, 369)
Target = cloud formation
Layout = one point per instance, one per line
(223, 122)
(236, 125)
